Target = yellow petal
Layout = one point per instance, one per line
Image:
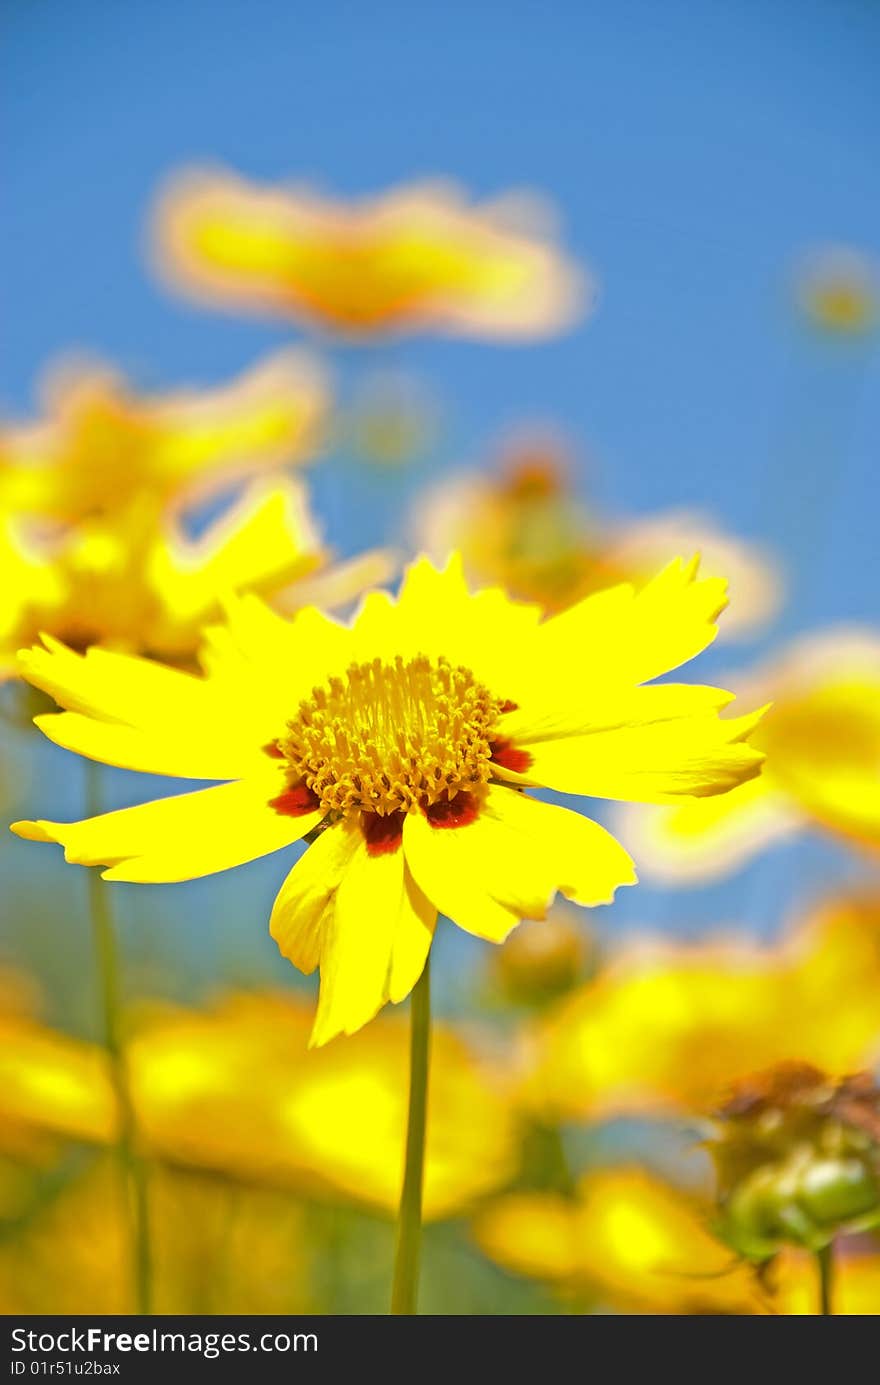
(454, 866)
(380, 926)
(630, 636)
(703, 838)
(641, 547)
(651, 763)
(270, 663)
(583, 860)
(261, 544)
(303, 904)
(158, 718)
(180, 838)
(585, 710)
(508, 863)
(486, 631)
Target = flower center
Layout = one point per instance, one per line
(386, 738)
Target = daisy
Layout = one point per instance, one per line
(140, 584)
(403, 747)
(821, 740)
(100, 448)
(418, 258)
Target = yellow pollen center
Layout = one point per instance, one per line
(386, 738)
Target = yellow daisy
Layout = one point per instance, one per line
(666, 1029)
(137, 583)
(101, 448)
(401, 746)
(525, 527)
(639, 1245)
(626, 1239)
(821, 739)
(417, 258)
(233, 1091)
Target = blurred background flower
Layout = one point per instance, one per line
(101, 449)
(419, 258)
(525, 528)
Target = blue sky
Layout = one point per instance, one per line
(695, 150)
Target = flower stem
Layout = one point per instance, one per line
(134, 1176)
(405, 1288)
(825, 1263)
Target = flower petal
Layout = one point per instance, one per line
(584, 861)
(375, 942)
(303, 904)
(179, 838)
(585, 712)
(485, 630)
(508, 863)
(650, 763)
(140, 714)
(629, 636)
(703, 838)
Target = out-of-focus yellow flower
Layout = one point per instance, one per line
(416, 259)
(402, 745)
(821, 737)
(235, 1091)
(797, 1157)
(839, 291)
(52, 1082)
(669, 1028)
(626, 1239)
(218, 1249)
(524, 528)
(101, 448)
(637, 1244)
(137, 583)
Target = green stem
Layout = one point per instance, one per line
(133, 1169)
(404, 1292)
(825, 1262)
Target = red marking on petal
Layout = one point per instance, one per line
(453, 812)
(509, 706)
(506, 754)
(383, 834)
(273, 750)
(295, 802)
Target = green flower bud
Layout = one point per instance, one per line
(798, 1160)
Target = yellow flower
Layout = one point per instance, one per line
(839, 291)
(525, 528)
(400, 746)
(626, 1239)
(218, 1249)
(100, 448)
(234, 1091)
(669, 1028)
(637, 1244)
(822, 743)
(137, 583)
(418, 258)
